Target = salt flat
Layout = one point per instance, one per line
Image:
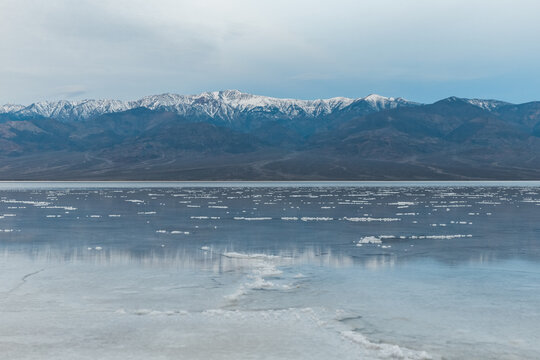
(259, 270)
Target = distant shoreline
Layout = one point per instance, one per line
(80, 184)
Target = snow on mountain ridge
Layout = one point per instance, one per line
(68, 110)
(10, 108)
(222, 105)
(382, 102)
(487, 104)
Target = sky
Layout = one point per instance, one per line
(422, 50)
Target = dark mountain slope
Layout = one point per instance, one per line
(450, 139)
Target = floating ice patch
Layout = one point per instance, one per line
(67, 208)
(146, 213)
(440, 237)
(135, 201)
(27, 202)
(452, 206)
(370, 219)
(289, 218)
(529, 200)
(251, 218)
(353, 203)
(307, 218)
(369, 240)
(387, 237)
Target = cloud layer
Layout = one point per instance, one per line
(420, 49)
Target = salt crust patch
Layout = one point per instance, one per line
(383, 350)
(440, 236)
(173, 232)
(310, 317)
(370, 240)
(379, 239)
(262, 267)
(370, 219)
(307, 218)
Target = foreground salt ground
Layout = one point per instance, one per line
(182, 272)
(126, 315)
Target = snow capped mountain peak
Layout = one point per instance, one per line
(377, 98)
(378, 101)
(487, 104)
(11, 108)
(72, 110)
(231, 94)
(220, 106)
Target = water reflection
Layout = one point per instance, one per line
(216, 260)
(193, 227)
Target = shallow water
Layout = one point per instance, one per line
(264, 270)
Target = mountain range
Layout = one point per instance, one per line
(230, 135)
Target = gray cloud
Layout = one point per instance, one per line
(421, 49)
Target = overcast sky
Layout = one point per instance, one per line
(423, 50)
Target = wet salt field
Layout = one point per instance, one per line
(270, 270)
